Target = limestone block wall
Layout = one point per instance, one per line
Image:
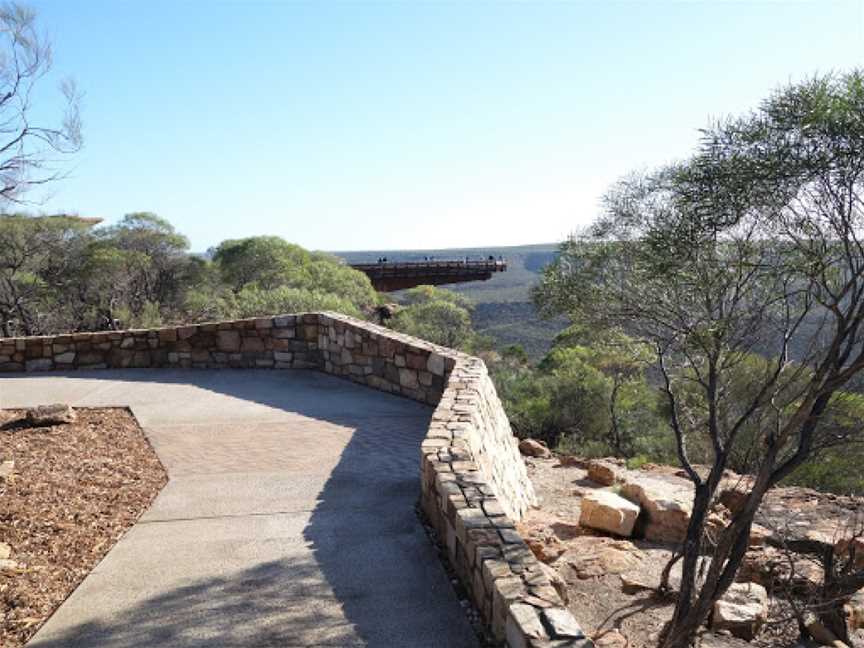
(384, 359)
(474, 487)
(283, 342)
(474, 482)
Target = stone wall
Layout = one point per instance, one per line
(384, 359)
(474, 482)
(474, 488)
(284, 342)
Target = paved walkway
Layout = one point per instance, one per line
(288, 519)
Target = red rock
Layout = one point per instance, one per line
(534, 448)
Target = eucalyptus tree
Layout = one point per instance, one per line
(438, 315)
(752, 246)
(139, 264)
(39, 264)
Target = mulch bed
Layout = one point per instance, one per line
(75, 489)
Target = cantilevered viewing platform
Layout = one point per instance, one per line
(388, 276)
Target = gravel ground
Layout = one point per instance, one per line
(75, 489)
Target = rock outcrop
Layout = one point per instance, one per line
(591, 556)
(606, 511)
(742, 611)
(603, 471)
(534, 448)
(666, 505)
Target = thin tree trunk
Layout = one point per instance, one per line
(678, 633)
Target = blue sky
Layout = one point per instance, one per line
(354, 125)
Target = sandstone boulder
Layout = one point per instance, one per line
(742, 611)
(534, 448)
(566, 530)
(717, 520)
(758, 535)
(5, 551)
(7, 468)
(606, 511)
(592, 556)
(666, 504)
(732, 496)
(602, 472)
(55, 414)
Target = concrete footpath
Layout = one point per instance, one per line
(288, 519)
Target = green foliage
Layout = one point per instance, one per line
(515, 354)
(253, 301)
(835, 471)
(752, 247)
(442, 322)
(61, 273)
(39, 259)
(440, 316)
(837, 467)
(148, 316)
(592, 400)
(743, 267)
(268, 262)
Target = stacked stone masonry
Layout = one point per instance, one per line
(474, 482)
(284, 342)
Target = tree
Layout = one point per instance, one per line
(27, 149)
(269, 262)
(589, 392)
(139, 265)
(754, 245)
(38, 261)
(438, 321)
(623, 361)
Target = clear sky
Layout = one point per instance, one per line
(355, 125)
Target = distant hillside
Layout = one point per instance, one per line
(504, 308)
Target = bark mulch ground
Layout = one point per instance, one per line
(75, 489)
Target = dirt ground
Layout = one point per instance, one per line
(74, 490)
(610, 581)
(596, 596)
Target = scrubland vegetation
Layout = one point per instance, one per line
(742, 268)
(65, 273)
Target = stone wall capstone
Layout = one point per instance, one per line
(474, 484)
